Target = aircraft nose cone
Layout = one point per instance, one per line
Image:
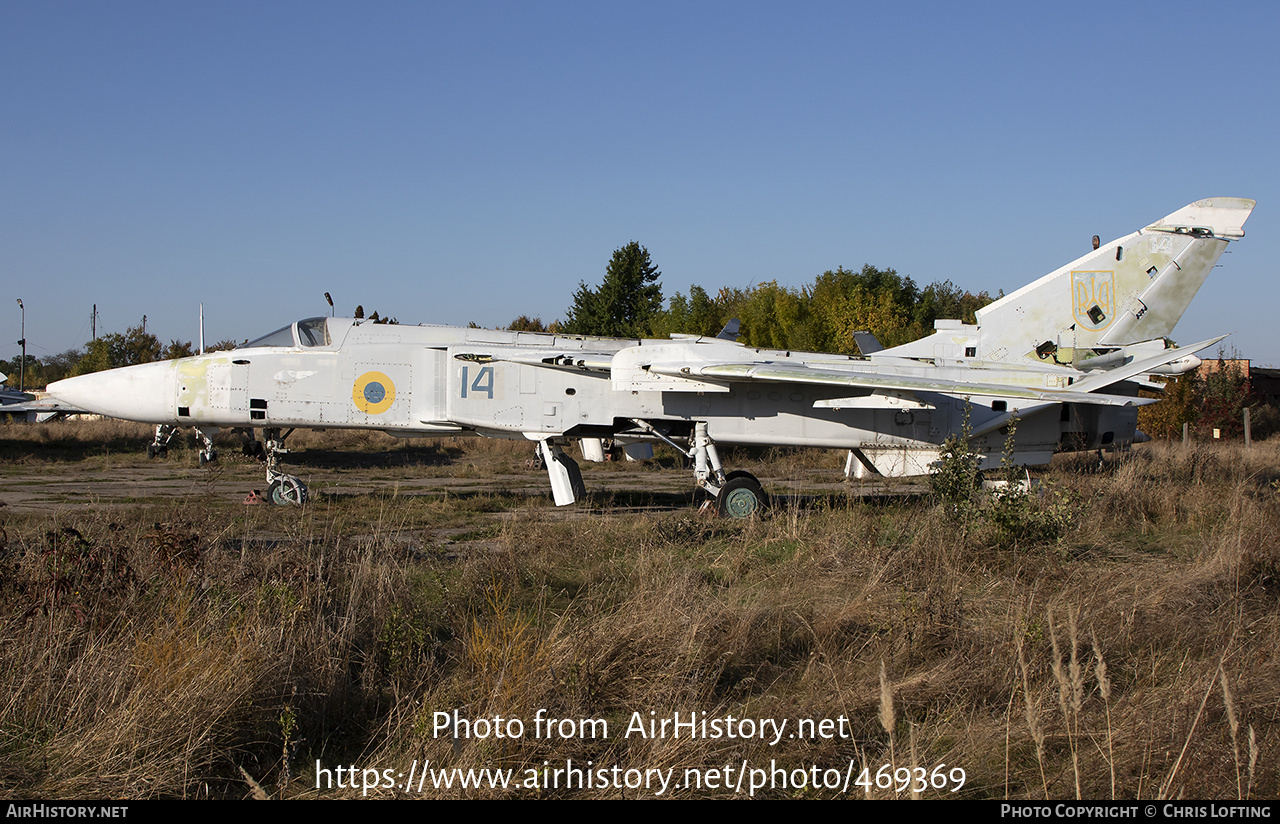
(143, 393)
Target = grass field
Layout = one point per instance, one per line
(1115, 635)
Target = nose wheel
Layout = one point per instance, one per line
(282, 489)
(287, 490)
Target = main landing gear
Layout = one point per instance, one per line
(741, 496)
(738, 494)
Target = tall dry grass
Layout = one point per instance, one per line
(163, 652)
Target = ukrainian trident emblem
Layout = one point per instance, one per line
(1093, 298)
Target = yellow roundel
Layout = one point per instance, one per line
(373, 393)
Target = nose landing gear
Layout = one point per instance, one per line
(159, 446)
(282, 489)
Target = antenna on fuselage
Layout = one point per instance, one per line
(201, 352)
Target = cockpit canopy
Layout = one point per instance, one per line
(309, 332)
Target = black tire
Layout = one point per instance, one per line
(211, 459)
(741, 473)
(741, 497)
(287, 491)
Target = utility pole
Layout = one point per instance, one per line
(93, 321)
(22, 370)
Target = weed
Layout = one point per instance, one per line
(1019, 517)
(956, 477)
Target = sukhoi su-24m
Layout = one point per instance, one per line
(1064, 356)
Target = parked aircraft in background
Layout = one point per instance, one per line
(27, 407)
(1042, 355)
(8, 395)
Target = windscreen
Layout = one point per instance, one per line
(280, 337)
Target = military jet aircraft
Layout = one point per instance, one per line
(1042, 355)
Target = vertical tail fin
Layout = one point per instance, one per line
(1129, 290)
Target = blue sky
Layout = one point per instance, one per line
(455, 162)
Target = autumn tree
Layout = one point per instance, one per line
(774, 317)
(1212, 397)
(1178, 404)
(1224, 393)
(524, 323)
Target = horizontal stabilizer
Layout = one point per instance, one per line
(1139, 367)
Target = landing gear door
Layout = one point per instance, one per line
(429, 400)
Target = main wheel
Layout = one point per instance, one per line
(741, 497)
(287, 490)
(211, 458)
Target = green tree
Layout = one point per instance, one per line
(698, 314)
(177, 349)
(627, 302)
(820, 317)
(114, 350)
(774, 317)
